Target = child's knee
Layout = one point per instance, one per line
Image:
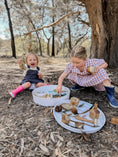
(107, 82)
(39, 84)
(27, 84)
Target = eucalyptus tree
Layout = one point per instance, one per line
(53, 30)
(11, 29)
(55, 10)
(31, 15)
(74, 27)
(67, 6)
(103, 19)
(27, 17)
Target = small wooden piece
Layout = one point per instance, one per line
(74, 101)
(91, 69)
(84, 119)
(65, 119)
(79, 125)
(114, 120)
(67, 106)
(94, 113)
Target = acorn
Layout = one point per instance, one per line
(58, 108)
(74, 110)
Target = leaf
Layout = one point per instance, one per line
(30, 139)
(69, 150)
(59, 144)
(22, 146)
(60, 138)
(44, 149)
(52, 137)
(57, 152)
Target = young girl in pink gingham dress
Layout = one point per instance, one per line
(77, 73)
(84, 78)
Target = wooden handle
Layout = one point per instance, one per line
(84, 119)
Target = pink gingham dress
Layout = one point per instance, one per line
(86, 79)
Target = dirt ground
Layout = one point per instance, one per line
(30, 130)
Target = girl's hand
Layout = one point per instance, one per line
(97, 69)
(104, 65)
(40, 75)
(59, 89)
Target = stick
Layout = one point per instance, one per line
(114, 83)
(84, 119)
(86, 110)
(9, 102)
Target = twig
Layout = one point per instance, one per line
(114, 83)
(9, 102)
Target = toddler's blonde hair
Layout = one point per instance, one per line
(34, 55)
(79, 51)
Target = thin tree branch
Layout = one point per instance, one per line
(84, 22)
(80, 39)
(83, 1)
(52, 24)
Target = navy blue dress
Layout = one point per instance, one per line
(32, 76)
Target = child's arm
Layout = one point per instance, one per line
(40, 75)
(60, 81)
(21, 65)
(104, 65)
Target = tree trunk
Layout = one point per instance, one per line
(11, 30)
(103, 18)
(48, 47)
(53, 42)
(39, 41)
(53, 33)
(40, 46)
(69, 36)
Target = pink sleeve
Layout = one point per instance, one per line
(68, 68)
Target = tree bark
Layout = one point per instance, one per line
(11, 30)
(103, 18)
(39, 41)
(48, 47)
(53, 42)
(53, 34)
(69, 36)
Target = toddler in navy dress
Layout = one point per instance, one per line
(32, 76)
